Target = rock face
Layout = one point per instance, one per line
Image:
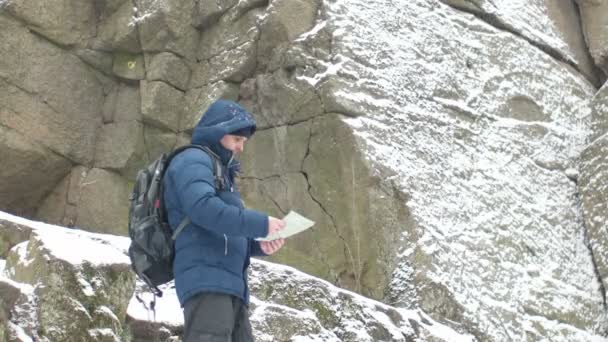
(552, 26)
(462, 134)
(594, 188)
(594, 24)
(53, 293)
(451, 154)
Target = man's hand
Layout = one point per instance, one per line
(270, 247)
(274, 225)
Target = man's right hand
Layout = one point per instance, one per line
(274, 225)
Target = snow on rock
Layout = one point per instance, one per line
(593, 187)
(553, 26)
(164, 321)
(289, 305)
(81, 282)
(481, 131)
(67, 284)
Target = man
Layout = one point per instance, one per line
(212, 252)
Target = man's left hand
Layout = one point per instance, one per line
(270, 247)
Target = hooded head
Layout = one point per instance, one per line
(223, 117)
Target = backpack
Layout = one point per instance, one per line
(152, 247)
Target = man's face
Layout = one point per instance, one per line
(234, 143)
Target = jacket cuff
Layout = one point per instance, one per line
(258, 223)
(256, 249)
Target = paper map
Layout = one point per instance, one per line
(294, 224)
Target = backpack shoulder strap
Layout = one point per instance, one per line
(217, 173)
(186, 221)
(218, 169)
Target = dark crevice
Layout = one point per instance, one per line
(276, 204)
(42, 145)
(281, 210)
(138, 33)
(146, 149)
(594, 264)
(596, 270)
(242, 7)
(496, 22)
(596, 70)
(33, 94)
(348, 252)
(289, 124)
(209, 84)
(330, 270)
(221, 52)
(260, 179)
(30, 27)
(168, 84)
(307, 154)
(64, 213)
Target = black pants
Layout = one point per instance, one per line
(215, 317)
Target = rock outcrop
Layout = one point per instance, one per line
(88, 293)
(452, 153)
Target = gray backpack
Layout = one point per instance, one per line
(152, 242)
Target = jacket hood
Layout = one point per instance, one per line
(221, 118)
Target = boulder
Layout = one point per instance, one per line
(79, 293)
(57, 103)
(30, 170)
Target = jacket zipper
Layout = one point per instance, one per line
(228, 168)
(225, 245)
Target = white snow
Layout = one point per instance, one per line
(73, 245)
(21, 335)
(533, 19)
(318, 27)
(168, 310)
(488, 186)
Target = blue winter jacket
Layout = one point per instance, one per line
(212, 252)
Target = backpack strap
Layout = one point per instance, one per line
(218, 169)
(218, 174)
(182, 225)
